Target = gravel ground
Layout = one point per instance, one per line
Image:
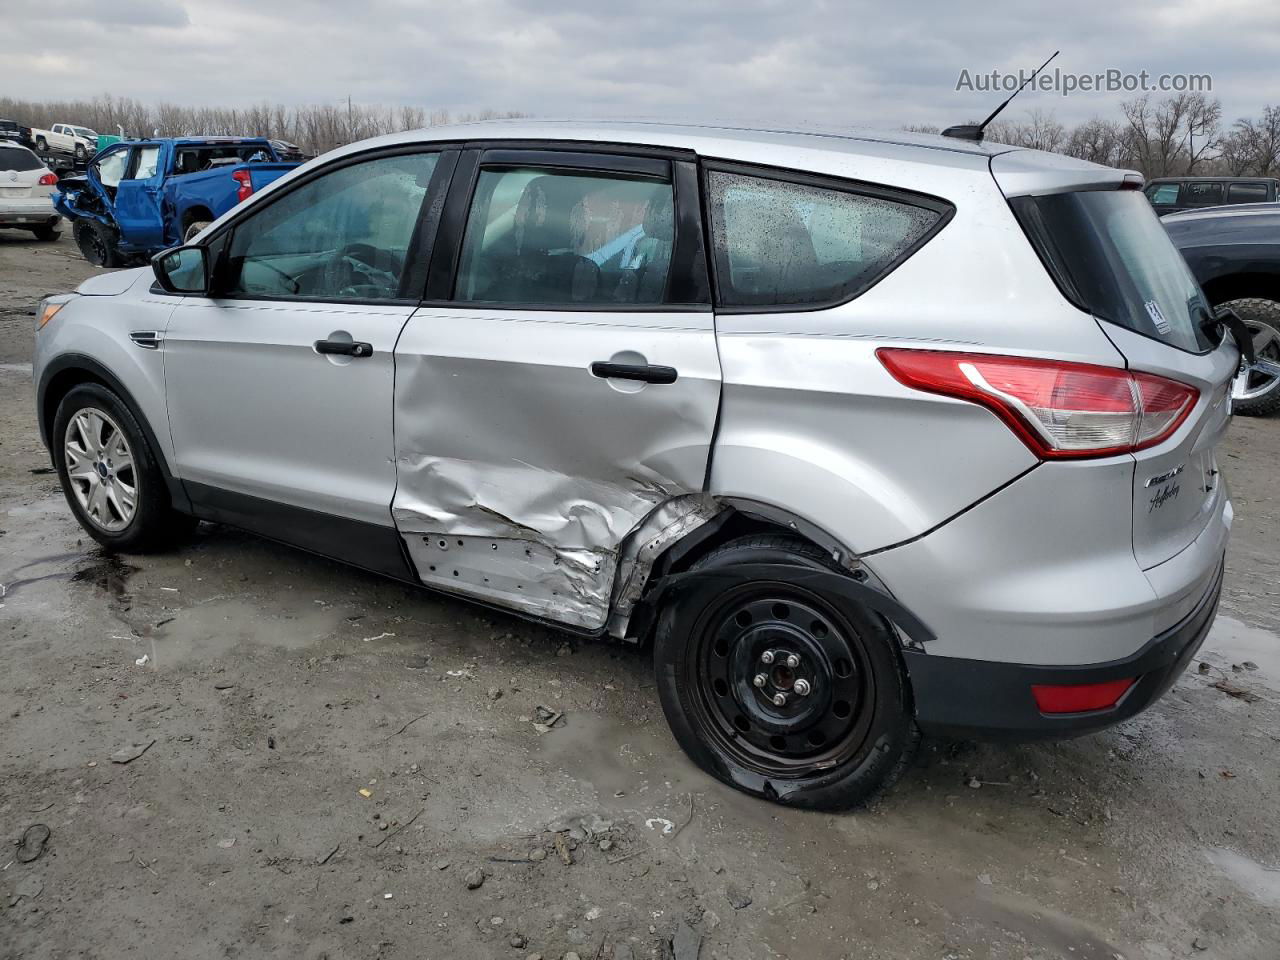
(335, 762)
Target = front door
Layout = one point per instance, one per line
(561, 382)
(137, 207)
(280, 384)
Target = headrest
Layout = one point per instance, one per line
(660, 217)
(544, 217)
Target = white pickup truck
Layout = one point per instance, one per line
(78, 142)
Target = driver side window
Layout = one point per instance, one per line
(343, 236)
(111, 168)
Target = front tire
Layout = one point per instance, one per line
(110, 475)
(47, 233)
(81, 153)
(97, 243)
(1256, 392)
(781, 691)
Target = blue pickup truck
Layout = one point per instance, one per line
(142, 196)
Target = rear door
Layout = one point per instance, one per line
(561, 382)
(137, 207)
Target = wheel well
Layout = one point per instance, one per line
(80, 370)
(732, 523)
(194, 214)
(1237, 286)
(60, 384)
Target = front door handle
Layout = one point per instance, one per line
(645, 372)
(344, 348)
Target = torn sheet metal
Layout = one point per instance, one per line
(667, 524)
(519, 473)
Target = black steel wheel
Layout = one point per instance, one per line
(783, 682)
(781, 690)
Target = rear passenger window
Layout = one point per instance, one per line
(544, 237)
(1203, 194)
(1247, 193)
(1163, 194)
(781, 243)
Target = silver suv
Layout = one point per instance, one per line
(867, 436)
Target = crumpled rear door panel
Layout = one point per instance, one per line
(519, 472)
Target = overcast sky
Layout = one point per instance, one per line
(881, 65)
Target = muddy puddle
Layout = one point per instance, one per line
(1233, 642)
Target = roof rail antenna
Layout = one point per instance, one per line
(974, 131)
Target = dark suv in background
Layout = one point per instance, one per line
(1171, 194)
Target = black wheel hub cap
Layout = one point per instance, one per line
(784, 683)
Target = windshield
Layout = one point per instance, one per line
(1110, 255)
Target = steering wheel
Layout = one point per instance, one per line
(361, 269)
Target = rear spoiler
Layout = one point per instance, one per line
(1029, 173)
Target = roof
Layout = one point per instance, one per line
(677, 134)
(931, 164)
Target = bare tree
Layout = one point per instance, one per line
(315, 128)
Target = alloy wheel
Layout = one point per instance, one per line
(1262, 376)
(100, 466)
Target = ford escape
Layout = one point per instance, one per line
(866, 436)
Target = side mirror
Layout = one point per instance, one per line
(182, 269)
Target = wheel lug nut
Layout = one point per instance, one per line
(802, 687)
(779, 699)
(793, 660)
(766, 657)
(760, 680)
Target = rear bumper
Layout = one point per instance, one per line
(984, 699)
(27, 211)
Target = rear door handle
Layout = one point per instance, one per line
(646, 372)
(345, 348)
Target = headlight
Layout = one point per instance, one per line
(49, 308)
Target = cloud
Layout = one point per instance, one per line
(800, 61)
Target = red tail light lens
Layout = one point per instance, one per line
(1059, 410)
(245, 190)
(48, 180)
(1080, 697)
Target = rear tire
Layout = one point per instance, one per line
(110, 475)
(1255, 394)
(97, 243)
(838, 743)
(41, 145)
(47, 233)
(194, 229)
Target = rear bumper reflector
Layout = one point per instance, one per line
(1080, 697)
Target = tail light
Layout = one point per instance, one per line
(245, 181)
(1059, 410)
(48, 180)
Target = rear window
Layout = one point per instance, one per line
(18, 158)
(780, 243)
(1110, 255)
(1247, 193)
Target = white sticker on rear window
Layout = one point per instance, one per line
(1153, 311)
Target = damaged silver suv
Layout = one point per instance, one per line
(865, 436)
